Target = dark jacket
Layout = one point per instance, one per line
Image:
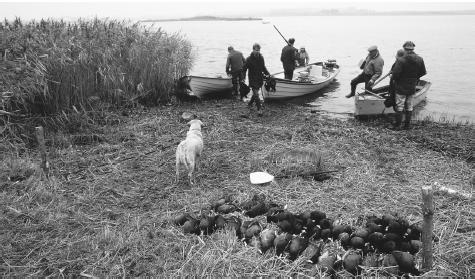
(257, 68)
(288, 57)
(234, 62)
(406, 73)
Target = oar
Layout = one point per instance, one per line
(281, 35)
(374, 94)
(380, 79)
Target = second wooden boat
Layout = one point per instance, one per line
(372, 103)
(306, 80)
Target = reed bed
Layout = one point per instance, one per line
(106, 209)
(52, 68)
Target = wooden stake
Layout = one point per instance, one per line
(40, 137)
(428, 227)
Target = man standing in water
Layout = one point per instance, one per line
(406, 73)
(257, 69)
(234, 65)
(372, 69)
(289, 59)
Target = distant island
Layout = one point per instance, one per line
(204, 18)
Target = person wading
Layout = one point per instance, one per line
(406, 74)
(372, 69)
(257, 69)
(289, 59)
(234, 64)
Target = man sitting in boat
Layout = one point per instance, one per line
(234, 64)
(289, 59)
(372, 69)
(303, 57)
(406, 73)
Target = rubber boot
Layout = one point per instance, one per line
(407, 121)
(397, 123)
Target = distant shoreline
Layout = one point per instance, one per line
(204, 18)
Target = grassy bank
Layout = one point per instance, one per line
(51, 69)
(105, 210)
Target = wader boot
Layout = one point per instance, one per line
(397, 123)
(259, 106)
(407, 121)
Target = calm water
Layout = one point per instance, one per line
(447, 44)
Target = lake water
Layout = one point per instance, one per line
(447, 44)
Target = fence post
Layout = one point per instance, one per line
(428, 227)
(40, 137)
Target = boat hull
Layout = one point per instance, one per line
(286, 89)
(208, 86)
(370, 105)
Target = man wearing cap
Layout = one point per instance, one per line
(257, 69)
(289, 59)
(303, 57)
(372, 69)
(234, 65)
(406, 73)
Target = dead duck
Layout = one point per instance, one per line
(352, 261)
(281, 242)
(344, 239)
(357, 242)
(253, 229)
(259, 208)
(416, 246)
(390, 264)
(220, 222)
(406, 262)
(271, 214)
(363, 233)
(372, 227)
(181, 219)
(376, 239)
(267, 239)
(192, 226)
(317, 215)
(297, 246)
(207, 225)
(234, 222)
(226, 208)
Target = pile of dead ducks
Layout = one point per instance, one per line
(387, 241)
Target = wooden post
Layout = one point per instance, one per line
(428, 227)
(40, 137)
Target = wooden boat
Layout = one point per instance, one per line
(369, 103)
(306, 80)
(210, 86)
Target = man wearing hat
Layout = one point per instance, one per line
(372, 69)
(289, 59)
(406, 73)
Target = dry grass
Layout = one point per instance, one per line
(106, 209)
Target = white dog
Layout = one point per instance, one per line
(188, 152)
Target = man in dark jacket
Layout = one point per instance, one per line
(406, 73)
(234, 64)
(257, 69)
(289, 59)
(372, 69)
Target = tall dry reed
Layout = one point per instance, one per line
(52, 67)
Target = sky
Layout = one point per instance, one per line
(166, 9)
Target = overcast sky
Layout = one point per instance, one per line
(163, 9)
